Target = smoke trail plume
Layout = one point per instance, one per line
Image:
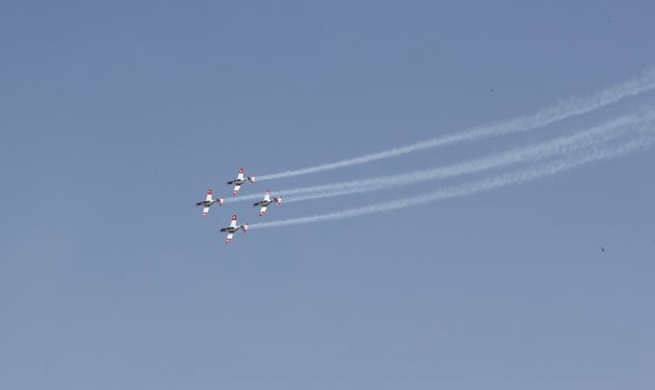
(508, 179)
(536, 152)
(564, 109)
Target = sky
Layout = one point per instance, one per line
(116, 117)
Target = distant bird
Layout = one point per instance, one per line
(602, 249)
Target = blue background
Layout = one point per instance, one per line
(117, 116)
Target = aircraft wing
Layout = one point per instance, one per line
(263, 210)
(205, 211)
(267, 196)
(209, 195)
(236, 189)
(229, 238)
(233, 224)
(240, 176)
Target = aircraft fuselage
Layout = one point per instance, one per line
(236, 182)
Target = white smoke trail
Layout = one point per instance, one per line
(560, 145)
(513, 178)
(537, 152)
(543, 118)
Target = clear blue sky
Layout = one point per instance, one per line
(115, 117)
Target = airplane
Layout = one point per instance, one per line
(230, 230)
(208, 202)
(267, 202)
(240, 180)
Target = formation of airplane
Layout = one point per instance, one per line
(267, 202)
(208, 202)
(239, 181)
(233, 228)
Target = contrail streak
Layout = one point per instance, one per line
(560, 145)
(537, 152)
(508, 179)
(564, 109)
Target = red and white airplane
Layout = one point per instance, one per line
(208, 202)
(267, 202)
(233, 228)
(240, 180)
